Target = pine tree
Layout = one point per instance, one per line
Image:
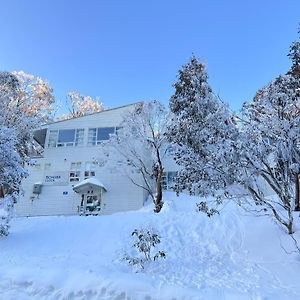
(203, 129)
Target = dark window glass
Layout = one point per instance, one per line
(103, 133)
(66, 136)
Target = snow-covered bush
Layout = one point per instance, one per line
(145, 240)
(203, 207)
(6, 213)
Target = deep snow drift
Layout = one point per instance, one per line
(229, 256)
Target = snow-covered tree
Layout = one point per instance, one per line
(225, 155)
(15, 111)
(79, 105)
(17, 121)
(203, 129)
(11, 169)
(272, 137)
(35, 96)
(294, 72)
(138, 147)
(11, 174)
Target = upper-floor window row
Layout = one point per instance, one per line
(66, 138)
(75, 137)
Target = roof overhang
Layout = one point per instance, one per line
(89, 184)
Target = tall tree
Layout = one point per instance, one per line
(16, 125)
(229, 156)
(202, 127)
(294, 72)
(272, 128)
(35, 96)
(138, 148)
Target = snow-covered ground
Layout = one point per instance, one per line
(230, 256)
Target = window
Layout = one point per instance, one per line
(168, 180)
(75, 171)
(66, 138)
(52, 138)
(170, 151)
(97, 135)
(89, 170)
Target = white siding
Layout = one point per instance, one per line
(121, 194)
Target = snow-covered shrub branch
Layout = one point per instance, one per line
(145, 242)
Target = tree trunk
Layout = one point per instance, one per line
(1, 192)
(158, 198)
(297, 193)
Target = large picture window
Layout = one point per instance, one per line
(98, 135)
(66, 138)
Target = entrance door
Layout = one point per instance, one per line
(92, 203)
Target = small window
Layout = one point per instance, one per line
(92, 136)
(170, 151)
(89, 170)
(52, 138)
(79, 136)
(75, 171)
(168, 180)
(97, 135)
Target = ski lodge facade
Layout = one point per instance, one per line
(65, 180)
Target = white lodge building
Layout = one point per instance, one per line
(65, 180)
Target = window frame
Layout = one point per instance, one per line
(75, 171)
(53, 139)
(93, 139)
(166, 182)
(92, 170)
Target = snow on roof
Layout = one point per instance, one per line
(89, 181)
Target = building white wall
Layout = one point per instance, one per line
(60, 199)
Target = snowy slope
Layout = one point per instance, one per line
(231, 256)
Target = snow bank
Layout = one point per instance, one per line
(230, 256)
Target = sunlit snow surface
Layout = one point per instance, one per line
(230, 256)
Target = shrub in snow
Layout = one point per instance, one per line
(6, 211)
(145, 242)
(203, 207)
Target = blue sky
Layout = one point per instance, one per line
(126, 51)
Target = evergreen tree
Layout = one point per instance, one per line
(203, 129)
